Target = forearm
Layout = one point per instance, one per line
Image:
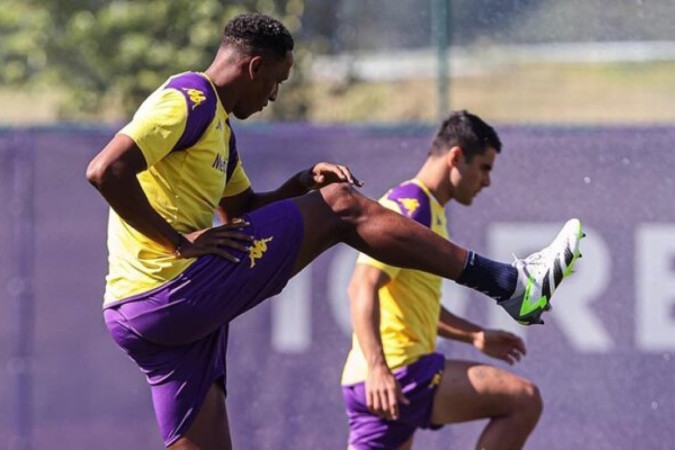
(452, 327)
(293, 187)
(113, 173)
(126, 197)
(365, 312)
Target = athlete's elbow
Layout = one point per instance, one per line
(96, 174)
(101, 175)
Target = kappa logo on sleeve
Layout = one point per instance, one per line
(196, 96)
(410, 205)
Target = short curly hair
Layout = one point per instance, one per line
(258, 33)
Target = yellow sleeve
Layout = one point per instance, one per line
(158, 124)
(391, 271)
(238, 183)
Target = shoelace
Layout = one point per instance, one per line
(535, 259)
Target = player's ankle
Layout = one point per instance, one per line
(495, 279)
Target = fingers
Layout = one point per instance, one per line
(218, 240)
(348, 176)
(504, 346)
(392, 405)
(340, 172)
(223, 254)
(223, 236)
(520, 344)
(236, 223)
(516, 354)
(385, 404)
(516, 342)
(195, 251)
(229, 243)
(518, 351)
(383, 401)
(226, 231)
(513, 356)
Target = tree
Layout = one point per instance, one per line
(112, 54)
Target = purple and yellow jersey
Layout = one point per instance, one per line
(192, 162)
(410, 303)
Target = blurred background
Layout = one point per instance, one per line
(581, 93)
(515, 61)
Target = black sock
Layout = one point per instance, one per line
(496, 279)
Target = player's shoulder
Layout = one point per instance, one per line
(195, 88)
(195, 100)
(412, 200)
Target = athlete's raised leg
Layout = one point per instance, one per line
(471, 391)
(339, 213)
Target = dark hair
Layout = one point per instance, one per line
(465, 130)
(258, 33)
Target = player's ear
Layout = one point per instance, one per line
(254, 66)
(454, 156)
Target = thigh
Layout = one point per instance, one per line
(181, 378)
(472, 391)
(332, 215)
(210, 428)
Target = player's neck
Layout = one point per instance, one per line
(436, 178)
(224, 73)
(226, 92)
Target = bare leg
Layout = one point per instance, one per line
(471, 391)
(408, 444)
(338, 213)
(210, 429)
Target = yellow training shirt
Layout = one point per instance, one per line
(410, 303)
(189, 147)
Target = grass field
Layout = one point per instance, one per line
(532, 93)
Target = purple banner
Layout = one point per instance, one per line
(604, 361)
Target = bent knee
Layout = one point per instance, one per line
(531, 401)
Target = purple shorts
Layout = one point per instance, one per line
(177, 333)
(419, 382)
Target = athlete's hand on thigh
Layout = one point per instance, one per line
(500, 345)
(216, 241)
(383, 393)
(324, 173)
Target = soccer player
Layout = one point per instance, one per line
(393, 380)
(175, 282)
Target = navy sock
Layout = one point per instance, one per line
(496, 279)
